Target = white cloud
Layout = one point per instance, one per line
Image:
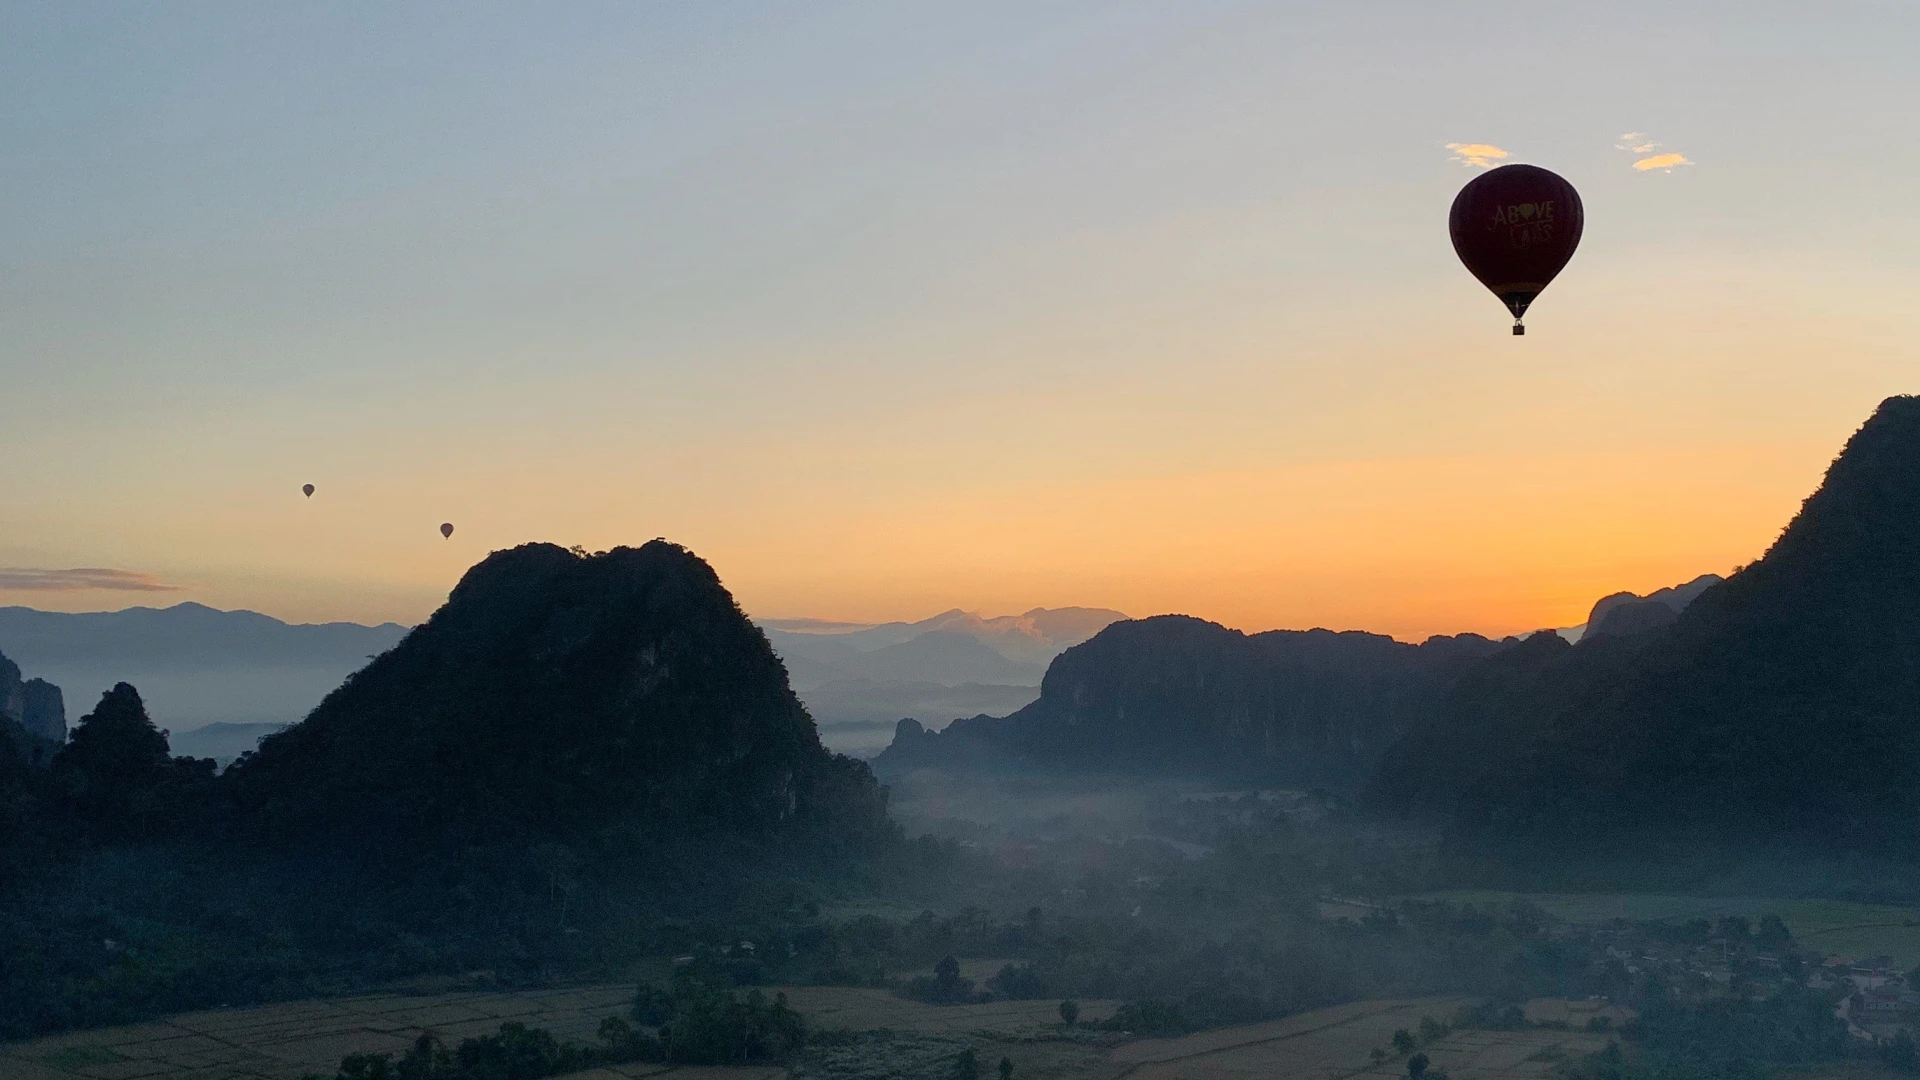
(1663, 162)
(1477, 155)
(87, 577)
(1637, 143)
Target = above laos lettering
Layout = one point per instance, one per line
(1526, 223)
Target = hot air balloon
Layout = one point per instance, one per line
(1515, 227)
(308, 488)
(446, 529)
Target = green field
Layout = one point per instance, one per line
(1837, 927)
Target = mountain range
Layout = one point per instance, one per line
(195, 665)
(1779, 704)
(220, 680)
(858, 680)
(1175, 694)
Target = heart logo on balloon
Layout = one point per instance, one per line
(1527, 210)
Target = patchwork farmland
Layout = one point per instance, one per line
(288, 1041)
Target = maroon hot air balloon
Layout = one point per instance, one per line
(446, 529)
(308, 489)
(1515, 227)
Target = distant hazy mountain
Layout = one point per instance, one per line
(945, 657)
(860, 715)
(222, 742)
(856, 679)
(1032, 638)
(194, 665)
(1174, 694)
(1626, 613)
(1657, 608)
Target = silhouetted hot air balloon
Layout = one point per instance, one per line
(446, 529)
(1515, 227)
(308, 488)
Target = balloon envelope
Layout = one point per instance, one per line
(446, 529)
(1515, 227)
(308, 488)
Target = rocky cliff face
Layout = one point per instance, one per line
(1175, 694)
(43, 710)
(564, 696)
(35, 705)
(12, 695)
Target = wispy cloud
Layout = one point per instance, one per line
(1666, 162)
(80, 578)
(1636, 142)
(1478, 155)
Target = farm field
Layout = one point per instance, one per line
(1836, 927)
(284, 1042)
(1336, 1044)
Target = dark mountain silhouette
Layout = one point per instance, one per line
(1783, 702)
(194, 665)
(1178, 694)
(1645, 612)
(566, 697)
(1631, 616)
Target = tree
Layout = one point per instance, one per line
(948, 987)
(1006, 1068)
(1416, 1066)
(1898, 1053)
(967, 1065)
(1403, 1041)
(1773, 933)
(117, 776)
(1069, 1012)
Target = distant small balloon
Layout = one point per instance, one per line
(308, 488)
(446, 529)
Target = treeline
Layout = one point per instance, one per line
(1724, 1038)
(696, 1020)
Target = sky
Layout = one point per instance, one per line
(886, 309)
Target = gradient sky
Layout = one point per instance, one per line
(890, 308)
